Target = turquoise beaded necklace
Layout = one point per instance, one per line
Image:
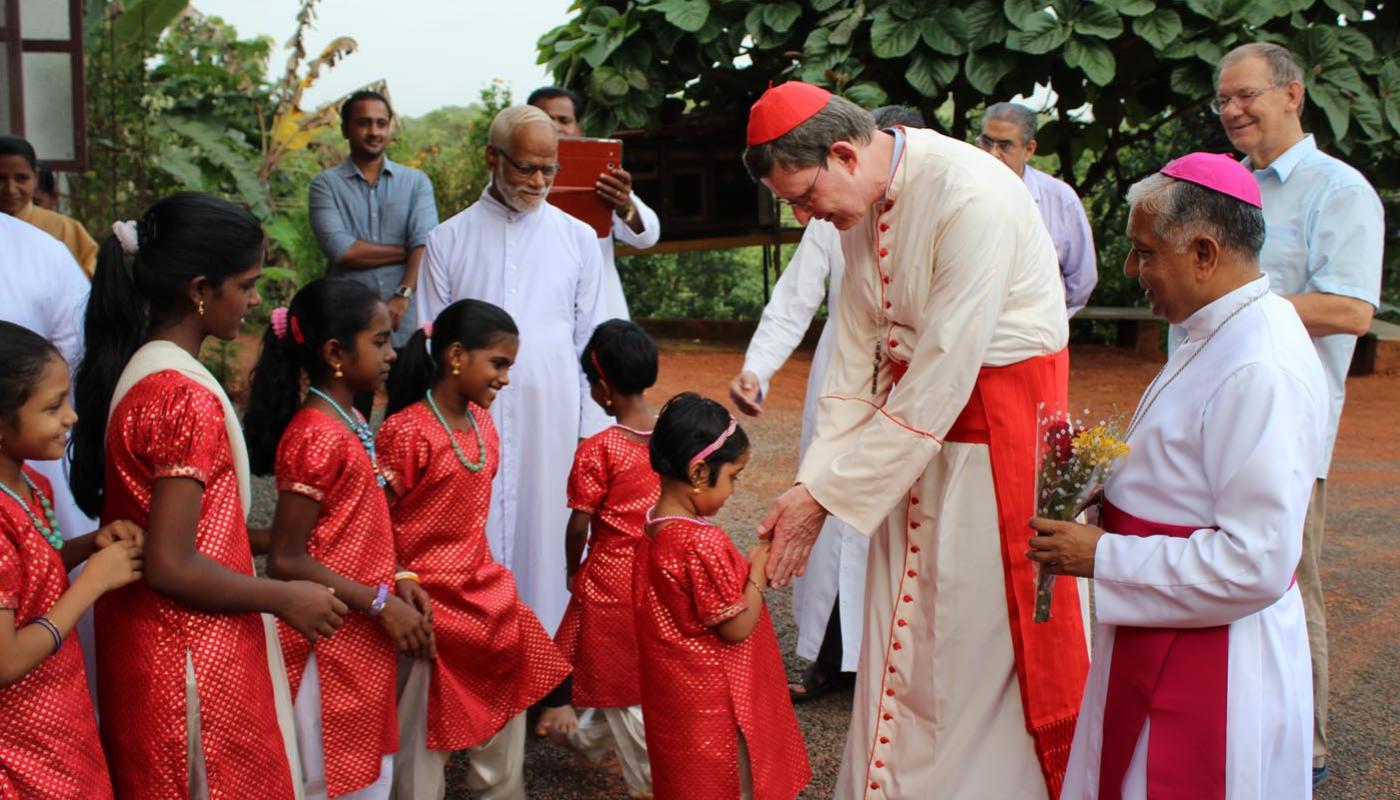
(50, 531)
(360, 428)
(457, 448)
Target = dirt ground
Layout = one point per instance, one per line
(1361, 567)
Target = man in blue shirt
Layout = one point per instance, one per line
(1008, 132)
(371, 216)
(1322, 252)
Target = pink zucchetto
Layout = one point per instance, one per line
(1217, 172)
(782, 108)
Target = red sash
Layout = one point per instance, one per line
(1051, 658)
(1178, 677)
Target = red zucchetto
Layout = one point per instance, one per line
(782, 108)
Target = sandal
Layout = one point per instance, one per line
(817, 681)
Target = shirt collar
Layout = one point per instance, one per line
(348, 169)
(498, 207)
(896, 179)
(1284, 165)
(1211, 315)
(1030, 176)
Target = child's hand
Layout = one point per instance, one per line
(311, 609)
(114, 566)
(758, 562)
(415, 595)
(404, 624)
(123, 530)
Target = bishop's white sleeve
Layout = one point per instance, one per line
(651, 227)
(1261, 438)
(861, 475)
(64, 302)
(589, 311)
(434, 291)
(796, 297)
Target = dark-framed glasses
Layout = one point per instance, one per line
(804, 200)
(528, 170)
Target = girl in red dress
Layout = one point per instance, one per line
(332, 526)
(611, 488)
(720, 724)
(187, 695)
(48, 735)
(494, 659)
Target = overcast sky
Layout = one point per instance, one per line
(432, 52)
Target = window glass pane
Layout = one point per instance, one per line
(43, 19)
(48, 104)
(4, 85)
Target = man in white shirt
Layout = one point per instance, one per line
(951, 334)
(1200, 685)
(542, 266)
(1008, 132)
(1322, 252)
(633, 222)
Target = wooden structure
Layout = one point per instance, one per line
(41, 79)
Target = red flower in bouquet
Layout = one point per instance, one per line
(1060, 437)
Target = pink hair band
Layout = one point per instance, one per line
(716, 444)
(428, 329)
(278, 319)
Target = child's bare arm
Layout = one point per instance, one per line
(737, 628)
(575, 537)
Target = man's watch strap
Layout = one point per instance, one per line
(406, 292)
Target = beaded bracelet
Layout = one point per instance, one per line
(381, 598)
(47, 624)
(406, 575)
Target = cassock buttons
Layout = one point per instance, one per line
(885, 278)
(874, 785)
(908, 598)
(893, 344)
(889, 204)
(884, 251)
(898, 646)
(914, 500)
(914, 525)
(884, 740)
(889, 693)
(891, 670)
(888, 304)
(901, 623)
(888, 717)
(913, 548)
(879, 764)
(912, 574)
(884, 226)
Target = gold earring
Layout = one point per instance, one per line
(338, 373)
(695, 490)
(456, 368)
(201, 308)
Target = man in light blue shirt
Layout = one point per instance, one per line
(1322, 251)
(1008, 132)
(372, 216)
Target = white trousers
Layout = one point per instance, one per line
(307, 711)
(497, 768)
(602, 729)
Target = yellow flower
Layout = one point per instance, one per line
(1097, 447)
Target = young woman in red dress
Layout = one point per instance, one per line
(719, 720)
(48, 734)
(611, 488)
(187, 694)
(332, 527)
(440, 453)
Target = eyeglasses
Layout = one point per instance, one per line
(804, 200)
(528, 170)
(992, 145)
(1243, 97)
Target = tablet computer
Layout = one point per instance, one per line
(581, 161)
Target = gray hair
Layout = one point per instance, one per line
(1186, 210)
(890, 116)
(509, 119)
(1283, 70)
(1017, 114)
(808, 143)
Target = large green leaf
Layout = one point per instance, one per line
(1096, 20)
(841, 34)
(823, 5)
(688, 15)
(1334, 106)
(947, 31)
(1024, 12)
(780, 16)
(1351, 9)
(1041, 35)
(1193, 79)
(1093, 57)
(1318, 49)
(1159, 29)
(1133, 8)
(1367, 113)
(986, 67)
(143, 20)
(1346, 78)
(608, 85)
(986, 24)
(227, 151)
(866, 94)
(1389, 77)
(1356, 43)
(892, 37)
(929, 73)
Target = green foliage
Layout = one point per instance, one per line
(449, 145)
(708, 284)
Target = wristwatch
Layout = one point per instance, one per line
(631, 213)
(406, 292)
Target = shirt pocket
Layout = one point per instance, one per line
(1284, 258)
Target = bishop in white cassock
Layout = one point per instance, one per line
(950, 333)
(544, 268)
(1201, 681)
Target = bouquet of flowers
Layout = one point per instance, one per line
(1075, 462)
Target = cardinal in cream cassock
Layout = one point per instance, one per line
(1201, 684)
(951, 334)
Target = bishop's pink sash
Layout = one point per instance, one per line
(1178, 677)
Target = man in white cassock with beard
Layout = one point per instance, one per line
(1201, 683)
(542, 266)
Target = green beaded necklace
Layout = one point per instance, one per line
(50, 531)
(452, 437)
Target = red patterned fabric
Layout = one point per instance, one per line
(168, 426)
(320, 458)
(494, 659)
(48, 733)
(612, 479)
(699, 691)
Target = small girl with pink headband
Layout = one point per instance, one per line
(719, 721)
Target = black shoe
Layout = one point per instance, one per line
(819, 680)
(1321, 775)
